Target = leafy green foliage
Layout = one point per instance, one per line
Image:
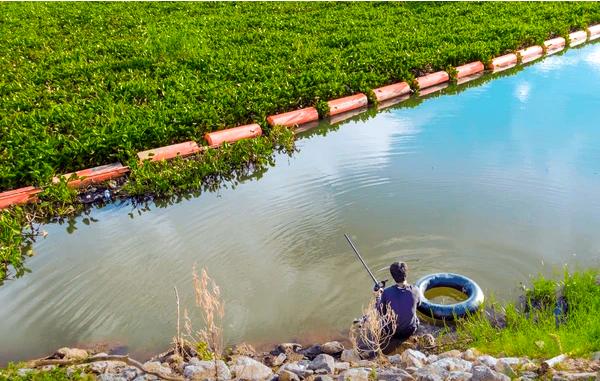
(534, 333)
(87, 84)
(57, 374)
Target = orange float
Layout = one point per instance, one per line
(554, 45)
(93, 175)
(391, 91)
(294, 118)
(469, 69)
(169, 152)
(18, 196)
(234, 134)
(503, 62)
(594, 32)
(531, 53)
(432, 79)
(341, 105)
(577, 38)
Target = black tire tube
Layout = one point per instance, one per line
(449, 311)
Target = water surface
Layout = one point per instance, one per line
(497, 182)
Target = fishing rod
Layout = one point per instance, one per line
(378, 285)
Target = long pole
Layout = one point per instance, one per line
(361, 260)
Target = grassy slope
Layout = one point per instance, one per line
(536, 335)
(83, 84)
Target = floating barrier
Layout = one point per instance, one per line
(577, 38)
(392, 102)
(341, 105)
(503, 62)
(555, 45)
(469, 69)
(294, 118)
(169, 152)
(432, 79)
(338, 118)
(18, 196)
(234, 134)
(594, 32)
(531, 53)
(94, 175)
(449, 311)
(392, 91)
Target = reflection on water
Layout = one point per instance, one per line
(497, 182)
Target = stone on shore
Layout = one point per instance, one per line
(484, 373)
(453, 363)
(207, 370)
(452, 353)
(332, 348)
(157, 367)
(342, 366)
(350, 355)
(323, 362)
(286, 375)
(323, 378)
(504, 366)
(458, 375)
(72, 353)
(355, 374)
(470, 354)
(300, 369)
(412, 357)
(488, 361)
(394, 374)
(246, 368)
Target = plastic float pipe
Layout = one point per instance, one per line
(577, 38)
(392, 102)
(93, 175)
(594, 32)
(18, 196)
(469, 69)
(432, 89)
(169, 152)
(341, 105)
(432, 79)
(392, 91)
(334, 119)
(531, 53)
(234, 134)
(555, 44)
(294, 118)
(503, 61)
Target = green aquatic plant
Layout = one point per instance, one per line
(89, 84)
(12, 373)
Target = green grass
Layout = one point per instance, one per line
(535, 334)
(11, 373)
(84, 84)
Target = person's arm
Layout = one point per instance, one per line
(381, 302)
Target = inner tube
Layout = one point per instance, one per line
(449, 311)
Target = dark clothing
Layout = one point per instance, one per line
(403, 300)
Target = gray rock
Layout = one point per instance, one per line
(422, 375)
(155, 366)
(341, 366)
(131, 372)
(350, 355)
(395, 360)
(412, 370)
(366, 364)
(484, 373)
(504, 366)
(246, 368)
(411, 357)
(458, 375)
(469, 355)
(355, 374)
(323, 378)
(432, 369)
(288, 348)
(332, 347)
(323, 362)
(111, 377)
(453, 363)
(581, 376)
(312, 351)
(286, 375)
(452, 353)
(107, 366)
(207, 370)
(432, 358)
(73, 353)
(488, 361)
(529, 375)
(300, 369)
(394, 374)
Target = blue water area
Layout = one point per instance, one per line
(497, 181)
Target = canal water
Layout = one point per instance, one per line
(498, 182)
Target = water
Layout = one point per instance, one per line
(497, 182)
